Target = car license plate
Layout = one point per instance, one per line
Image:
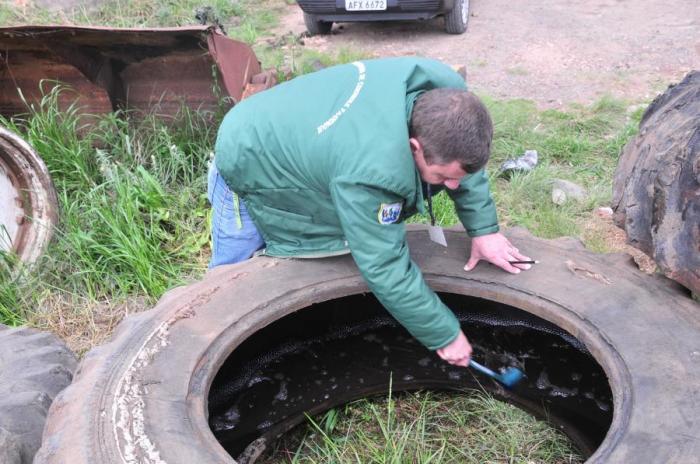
(365, 5)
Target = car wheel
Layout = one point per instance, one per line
(315, 26)
(457, 19)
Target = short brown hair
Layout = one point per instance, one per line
(452, 125)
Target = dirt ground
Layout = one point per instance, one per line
(554, 52)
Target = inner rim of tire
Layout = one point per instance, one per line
(342, 349)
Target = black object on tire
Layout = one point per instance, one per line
(34, 367)
(457, 19)
(315, 26)
(144, 396)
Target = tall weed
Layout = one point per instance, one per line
(131, 192)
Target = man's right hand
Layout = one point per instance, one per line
(458, 352)
(496, 249)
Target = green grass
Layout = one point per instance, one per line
(10, 297)
(423, 428)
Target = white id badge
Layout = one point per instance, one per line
(437, 235)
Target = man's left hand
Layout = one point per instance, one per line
(497, 250)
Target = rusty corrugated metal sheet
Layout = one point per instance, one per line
(137, 69)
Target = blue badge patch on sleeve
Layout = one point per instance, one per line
(389, 213)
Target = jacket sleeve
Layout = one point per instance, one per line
(474, 205)
(381, 253)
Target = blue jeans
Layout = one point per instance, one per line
(234, 237)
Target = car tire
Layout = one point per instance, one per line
(316, 26)
(457, 19)
(143, 397)
(34, 367)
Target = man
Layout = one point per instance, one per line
(332, 162)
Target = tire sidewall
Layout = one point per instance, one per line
(314, 26)
(457, 20)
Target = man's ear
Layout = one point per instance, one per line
(416, 147)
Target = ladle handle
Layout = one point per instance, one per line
(483, 369)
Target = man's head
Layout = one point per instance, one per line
(450, 135)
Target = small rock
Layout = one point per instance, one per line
(564, 190)
(558, 197)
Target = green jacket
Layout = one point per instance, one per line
(324, 166)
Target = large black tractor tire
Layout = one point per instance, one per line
(144, 396)
(34, 367)
(656, 192)
(457, 20)
(316, 26)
